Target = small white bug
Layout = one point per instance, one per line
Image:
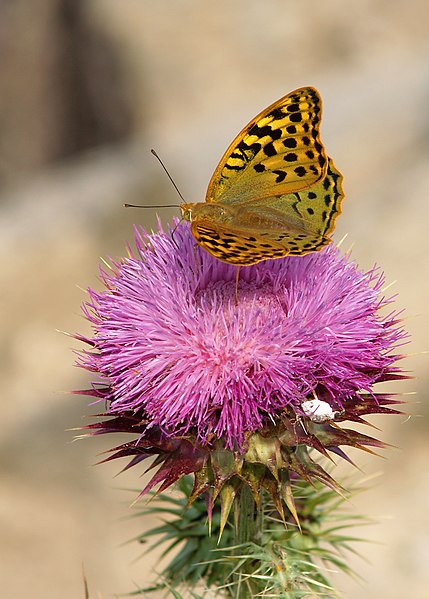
(318, 410)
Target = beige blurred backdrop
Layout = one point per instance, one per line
(87, 87)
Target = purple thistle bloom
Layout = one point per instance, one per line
(175, 349)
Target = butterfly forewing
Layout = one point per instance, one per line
(278, 152)
(275, 192)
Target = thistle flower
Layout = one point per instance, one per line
(231, 385)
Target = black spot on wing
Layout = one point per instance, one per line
(290, 143)
(300, 171)
(234, 167)
(281, 176)
(293, 108)
(269, 149)
(277, 114)
(265, 131)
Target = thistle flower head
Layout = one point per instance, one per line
(194, 367)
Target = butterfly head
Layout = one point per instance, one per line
(187, 211)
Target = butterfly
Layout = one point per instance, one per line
(275, 191)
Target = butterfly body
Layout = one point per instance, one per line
(275, 192)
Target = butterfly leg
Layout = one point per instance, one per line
(237, 276)
(173, 232)
(197, 266)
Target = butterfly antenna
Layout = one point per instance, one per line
(163, 205)
(168, 174)
(151, 206)
(159, 205)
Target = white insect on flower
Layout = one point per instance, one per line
(318, 410)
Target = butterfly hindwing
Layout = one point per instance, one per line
(291, 224)
(314, 209)
(234, 247)
(321, 204)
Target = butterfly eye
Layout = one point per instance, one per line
(187, 212)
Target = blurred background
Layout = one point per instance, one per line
(87, 87)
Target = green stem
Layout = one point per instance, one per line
(248, 529)
(246, 525)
